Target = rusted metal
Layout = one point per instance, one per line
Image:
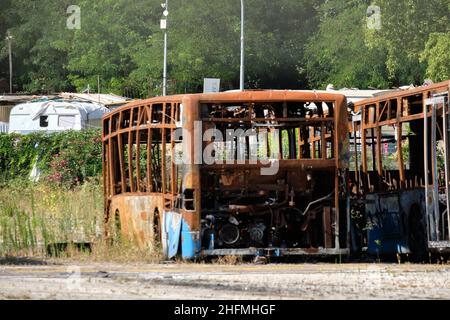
(446, 129)
(328, 239)
(418, 173)
(277, 252)
(265, 211)
(201, 190)
(434, 166)
(399, 132)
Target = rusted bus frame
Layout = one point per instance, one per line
(143, 127)
(114, 139)
(382, 104)
(402, 119)
(323, 138)
(338, 141)
(446, 128)
(315, 122)
(275, 96)
(320, 121)
(130, 153)
(149, 150)
(121, 159)
(339, 118)
(318, 164)
(239, 120)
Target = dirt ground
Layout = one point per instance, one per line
(69, 280)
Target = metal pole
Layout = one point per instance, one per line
(425, 154)
(446, 108)
(165, 56)
(9, 38)
(242, 47)
(98, 88)
(435, 170)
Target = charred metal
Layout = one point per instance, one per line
(335, 189)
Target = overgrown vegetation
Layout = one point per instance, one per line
(68, 158)
(47, 220)
(64, 206)
(35, 216)
(62, 214)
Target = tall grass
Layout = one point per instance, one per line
(34, 216)
(36, 219)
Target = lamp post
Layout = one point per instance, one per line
(9, 40)
(242, 47)
(165, 6)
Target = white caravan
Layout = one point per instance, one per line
(55, 116)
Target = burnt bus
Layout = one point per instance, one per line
(252, 173)
(399, 145)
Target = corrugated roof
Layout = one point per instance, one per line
(105, 99)
(355, 95)
(16, 99)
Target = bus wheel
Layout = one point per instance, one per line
(416, 234)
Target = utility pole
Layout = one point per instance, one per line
(9, 40)
(165, 6)
(98, 84)
(242, 47)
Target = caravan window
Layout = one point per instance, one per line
(43, 121)
(66, 121)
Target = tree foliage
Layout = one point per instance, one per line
(289, 44)
(338, 52)
(346, 52)
(66, 158)
(437, 56)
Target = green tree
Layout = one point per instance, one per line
(40, 42)
(406, 27)
(437, 56)
(204, 41)
(112, 32)
(339, 54)
(346, 52)
(289, 44)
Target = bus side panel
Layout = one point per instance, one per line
(137, 216)
(190, 242)
(172, 222)
(388, 220)
(191, 207)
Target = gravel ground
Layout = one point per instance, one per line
(71, 280)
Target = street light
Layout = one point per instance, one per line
(165, 6)
(9, 38)
(242, 47)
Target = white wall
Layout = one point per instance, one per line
(23, 123)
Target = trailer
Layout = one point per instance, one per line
(55, 115)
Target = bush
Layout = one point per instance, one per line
(68, 158)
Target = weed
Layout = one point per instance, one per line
(35, 216)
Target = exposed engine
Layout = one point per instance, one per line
(275, 215)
